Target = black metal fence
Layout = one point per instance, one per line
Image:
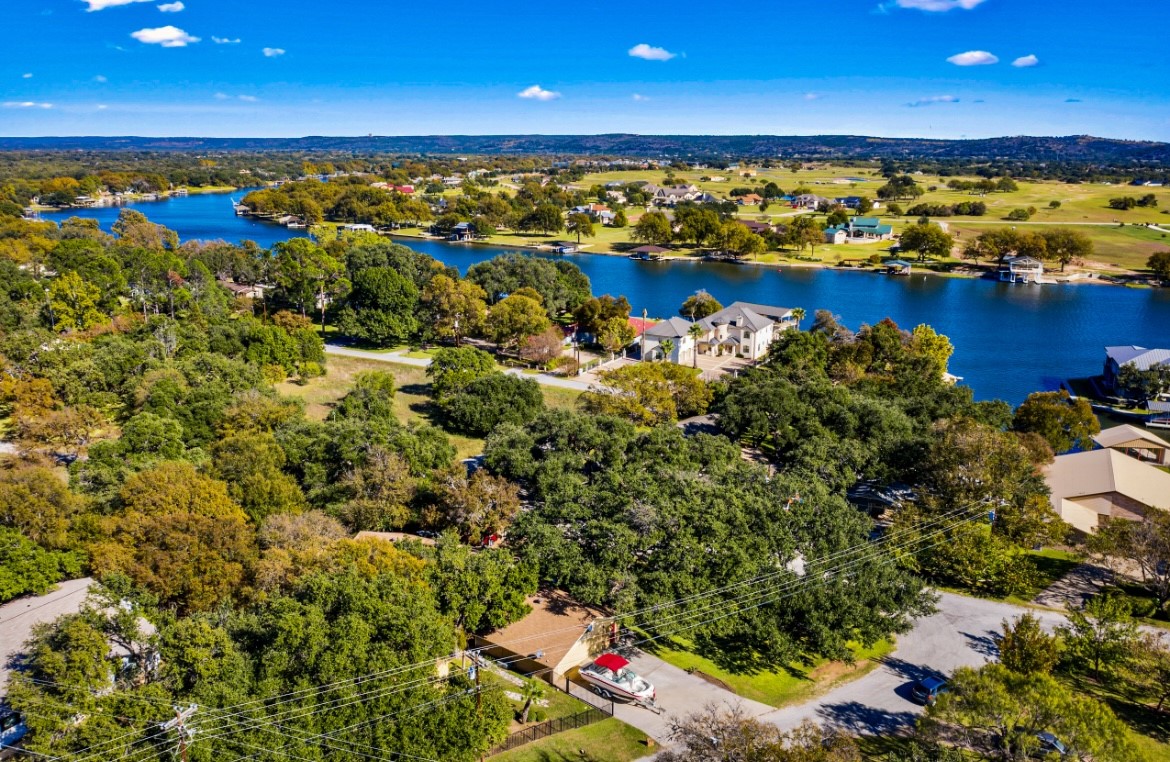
(552, 727)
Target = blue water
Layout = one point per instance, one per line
(1009, 340)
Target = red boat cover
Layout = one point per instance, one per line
(610, 661)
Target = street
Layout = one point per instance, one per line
(18, 617)
(962, 633)
(401, 359)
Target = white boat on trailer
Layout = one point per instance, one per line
(611, 677)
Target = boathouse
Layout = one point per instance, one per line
(1021, 270)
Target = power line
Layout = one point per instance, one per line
(684, 616)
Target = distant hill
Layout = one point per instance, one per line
(1082, 148)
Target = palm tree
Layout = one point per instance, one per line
(667, 347)
(798, 313)
(531, 691)
(695, 331)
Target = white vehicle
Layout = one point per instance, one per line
(610, 676)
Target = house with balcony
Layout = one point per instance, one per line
(744, 329)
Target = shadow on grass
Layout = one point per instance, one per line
(1141, 718)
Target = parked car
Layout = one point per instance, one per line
(1050, 744)
(12, 727)
(927, 690)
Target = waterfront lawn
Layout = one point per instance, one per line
(412, 398)
(1128, 247)
(607, 741)
(790, 684)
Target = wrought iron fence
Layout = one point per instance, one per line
(552, 727)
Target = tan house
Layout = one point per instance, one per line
(556, 636)
(1090, 489)
(1135, 443)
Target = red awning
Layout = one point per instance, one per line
(610, 661)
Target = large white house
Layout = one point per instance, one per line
(741, 329)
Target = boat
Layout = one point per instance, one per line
(611, 677)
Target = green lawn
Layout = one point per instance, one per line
(560, 704)
(1127, 246)
(412, 401)
(1051, 565)
(606, 741)
(776, 687)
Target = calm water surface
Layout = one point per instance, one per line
(1009, 339)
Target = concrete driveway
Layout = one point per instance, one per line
(962, 633)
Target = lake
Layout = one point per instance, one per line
(1009, 339)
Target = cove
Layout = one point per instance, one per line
(1009, 339)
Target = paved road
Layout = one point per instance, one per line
(17, 618)
(960, 634)
(399, 358)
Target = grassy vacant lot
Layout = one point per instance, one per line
(606, 741)
(412, 402)
(777, 687)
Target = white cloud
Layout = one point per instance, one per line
(101, 78)
(102, 107)
(27, 75)
(26, 104)
(651, 53)
(98, 5)
(222, 96)
(174, 7)
(273, 52)
(812, 96)
(939, 6)
(932, 100)
(167, 36)
(538, 93)
(248, 98)
(639, 97)
(973, 58)
(1024, 62)
(225, 40)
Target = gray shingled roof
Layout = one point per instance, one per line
(674, 328)
(744, 314)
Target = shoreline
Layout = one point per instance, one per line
(780, 266)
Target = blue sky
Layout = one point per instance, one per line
(918, 68)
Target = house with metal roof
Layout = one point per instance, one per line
(1136, 443)
(859, 230)
(1021, 270)
(1090, 489)
(1139, 358)
(557, 634)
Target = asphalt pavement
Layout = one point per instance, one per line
(962, 633)
(18, 617)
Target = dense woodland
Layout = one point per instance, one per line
(153, 452)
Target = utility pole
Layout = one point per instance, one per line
(179, 723)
